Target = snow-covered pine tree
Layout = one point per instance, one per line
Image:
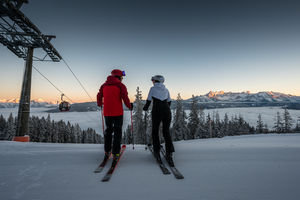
(209, 126)
(127, 136)
(2, 128)
(43, 130)
(67, 134)
(201, 127)
(54, 135)
(226, 125)
(218, 129)
(259, 125)
(48, 129)
(77, 133)
(10, 129)
(179, 129)
(137, 118)
(193, 119)
(278, 125)
(287, 121)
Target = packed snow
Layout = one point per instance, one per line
(240, 167)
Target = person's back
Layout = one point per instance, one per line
(110, 96)
(161, 113)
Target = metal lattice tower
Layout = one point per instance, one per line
(21, 37)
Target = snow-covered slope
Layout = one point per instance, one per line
(260, 167)
(221, 96)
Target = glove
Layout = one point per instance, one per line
(131, 106)
(145, 108)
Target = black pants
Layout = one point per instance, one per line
(163, 116)
(113, 125)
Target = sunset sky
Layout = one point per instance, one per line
(199, 46)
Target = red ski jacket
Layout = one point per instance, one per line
(111, 94)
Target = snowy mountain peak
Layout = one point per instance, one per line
(213, 94)
(247, 96)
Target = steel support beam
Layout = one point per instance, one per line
(24, 104)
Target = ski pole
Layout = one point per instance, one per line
(132, 130)
(145, 118)
(102, 121)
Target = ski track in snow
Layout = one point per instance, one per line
(260, 167)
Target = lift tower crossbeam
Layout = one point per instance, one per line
(21, 37)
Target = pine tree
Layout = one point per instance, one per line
(2, 128)
(218, 129)
(278, 125)
(226, 125)
(287, 121)
(137, 119)
(10, 129)
(193, 119)
(201, 127)
(209, 126)
(179, 129)
(260, 125)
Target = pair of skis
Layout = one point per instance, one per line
(114, 164)
(162, 166)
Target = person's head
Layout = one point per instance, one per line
(118, 74)
(157, 79)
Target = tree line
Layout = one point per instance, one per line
(47, 130)
(197, 125)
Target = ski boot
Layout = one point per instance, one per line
(106, 156)
(115, 159)
(170, 159)
(157, 156)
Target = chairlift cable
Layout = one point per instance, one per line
(51, 83)
(78, 80)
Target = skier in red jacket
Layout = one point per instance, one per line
(110, 96)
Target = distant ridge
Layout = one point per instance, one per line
(260, 97)
(12, 103)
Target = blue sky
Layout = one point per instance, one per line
(198, 46)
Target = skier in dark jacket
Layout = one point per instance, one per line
(110, 96)
(161, 112)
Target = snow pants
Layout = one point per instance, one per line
(113, 125)
(161, 113)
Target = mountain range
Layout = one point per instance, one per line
(261, 97)
(12, 103)
(218, 99)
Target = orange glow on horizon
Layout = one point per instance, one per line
(184, 96)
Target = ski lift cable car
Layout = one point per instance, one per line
(64, 105)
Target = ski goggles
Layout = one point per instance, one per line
(123, 73)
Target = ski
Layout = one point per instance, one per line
(174, 170)
(102, 164)
(113, 166)
(162, 166)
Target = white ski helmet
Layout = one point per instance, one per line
(158, 78)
